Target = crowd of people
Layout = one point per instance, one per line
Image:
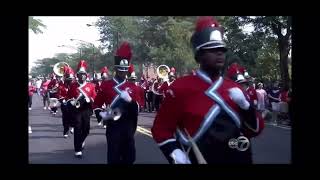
(205, 106)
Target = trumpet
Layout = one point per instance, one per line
(76, 102)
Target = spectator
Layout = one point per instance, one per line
(38, 86)
(262, 96)
(283, 105)
(31, 89)
(274, 99)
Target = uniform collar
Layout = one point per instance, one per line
(204, 76)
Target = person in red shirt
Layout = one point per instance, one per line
(165, 85)
(103, 78)
(53, 93)
(284, 104)
(120, 95)
(213, 110)
(144, 85)
(44, 92)
(132, 79)
(31, 90)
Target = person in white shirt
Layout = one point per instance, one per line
(38, 86)
(261, 95)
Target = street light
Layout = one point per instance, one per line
(93, 53)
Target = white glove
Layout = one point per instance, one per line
(73, 102)
(180, 157)
(104, 115)
(125, 95)
(238, 97)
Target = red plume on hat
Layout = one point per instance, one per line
(124, 51)
(233, 70)
(104, 70)
(131, 72)
(131, 69)
(204, 22)
(236, 73)
(68, 72)
(82, 66)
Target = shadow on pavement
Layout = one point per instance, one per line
(92, 154)
(147, 151)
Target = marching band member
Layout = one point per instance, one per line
(66, 109)
(104, 78)
(157, 96)
(83, 94)
(144, 85)
(239, 74)
(211, 109)
(132, 79)
(165, 86)
(53, 93)
(149, 96)
(119, 94)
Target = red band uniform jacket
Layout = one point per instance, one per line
(203, 107)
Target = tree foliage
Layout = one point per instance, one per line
(166, 40)
(35, 25)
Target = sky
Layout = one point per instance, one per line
(59, 31)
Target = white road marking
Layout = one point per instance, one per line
(283, 127)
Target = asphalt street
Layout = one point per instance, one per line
(48, 146)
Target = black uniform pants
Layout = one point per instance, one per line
(120, 137)
(45, 100)
(30, 101)
(66, 118)
(150, 101)
(157, 101)
(81, 127)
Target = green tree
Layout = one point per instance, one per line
(279, 27)
(35, 25)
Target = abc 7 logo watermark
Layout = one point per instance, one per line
(241, 143)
